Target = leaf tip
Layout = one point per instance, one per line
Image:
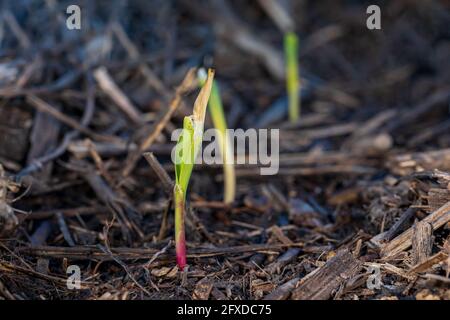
(202, 100)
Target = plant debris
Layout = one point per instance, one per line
(360, 206)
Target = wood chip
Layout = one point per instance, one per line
(289, 256)
(278, 233)
(422, 242)
(437, 198)
(282, 292)
(415, 162)
(217, 294)
(396, 228)
(430, 262)
(329, 277)
(437, 219)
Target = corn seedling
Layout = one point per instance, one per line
(186, 150)
(292, 77)
(220, 123)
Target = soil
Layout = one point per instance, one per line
(360, 206)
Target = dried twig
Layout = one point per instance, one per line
(166, 181)
(17, 29)
(43, 106)
(188, 84)
(278, 14)
(36, 164)
(108, 85)
(133, 53)
(90, 252)
(64, 229)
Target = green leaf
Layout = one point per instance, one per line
(190, 140)
(219, 120)
(292, 74)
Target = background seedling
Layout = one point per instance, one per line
(220, 123)
(292, 77)
(186, 151)
(284, 21)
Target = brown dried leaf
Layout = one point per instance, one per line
(201, 103)
(202, 289)
(164, 272)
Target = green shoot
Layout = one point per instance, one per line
(292, 77)
(186, 150)
(219, 120)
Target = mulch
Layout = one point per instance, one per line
(360, 207)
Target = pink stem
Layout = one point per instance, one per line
(180, 240)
